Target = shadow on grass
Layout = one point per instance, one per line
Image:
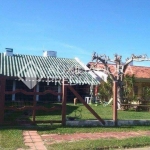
(69, 109)
(59, 129)
(13, 118)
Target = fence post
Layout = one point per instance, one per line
(64, 94)
(2, 98)
(34, 105)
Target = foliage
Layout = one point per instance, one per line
(105, 90)
(146, 92)
(128, 91)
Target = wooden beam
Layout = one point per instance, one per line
(29, 122)
(2, 98)
(31, 108)
(64, 96)
(115, 102)
(49, 121)
(34, 105)
(85, 104)
(32, 93)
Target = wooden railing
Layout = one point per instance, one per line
(21, 106)
(32, 93)
(31, 108)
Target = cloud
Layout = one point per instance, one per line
(77, 49)
(68, 46)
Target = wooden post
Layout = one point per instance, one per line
(13, 89)
(59, 91)
(115, 102)
(64, 94)
(34, 105)
(96, 90)
(2, 98)
(37, 90)
(96, 94)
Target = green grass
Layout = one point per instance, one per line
(102, 144)
(46, 129)
(11, 139)
(81, 112)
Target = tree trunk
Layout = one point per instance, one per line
(119, 96)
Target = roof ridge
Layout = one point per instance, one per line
(140, 66)
(39, 56)
(128, 65)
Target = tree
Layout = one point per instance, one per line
(105, 90)
(120, 69)
(128, 87)
(146, 92)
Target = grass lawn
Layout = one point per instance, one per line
(81, 112)
(11, 137)
(102, 144)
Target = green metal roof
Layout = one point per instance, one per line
(27, 66)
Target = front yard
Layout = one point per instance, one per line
(11, 136)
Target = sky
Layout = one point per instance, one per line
(76, 28)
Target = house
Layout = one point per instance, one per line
(31, 80)
(142, 80)
(44, 73)
(141, 75)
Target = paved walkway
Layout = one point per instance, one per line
(58, 138)
(33, 140)
(36, 142)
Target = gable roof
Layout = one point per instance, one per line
(27, 66)
(141, 72)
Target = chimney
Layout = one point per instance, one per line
(8, 52)
(50, 53)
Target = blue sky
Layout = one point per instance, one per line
(76, 28)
